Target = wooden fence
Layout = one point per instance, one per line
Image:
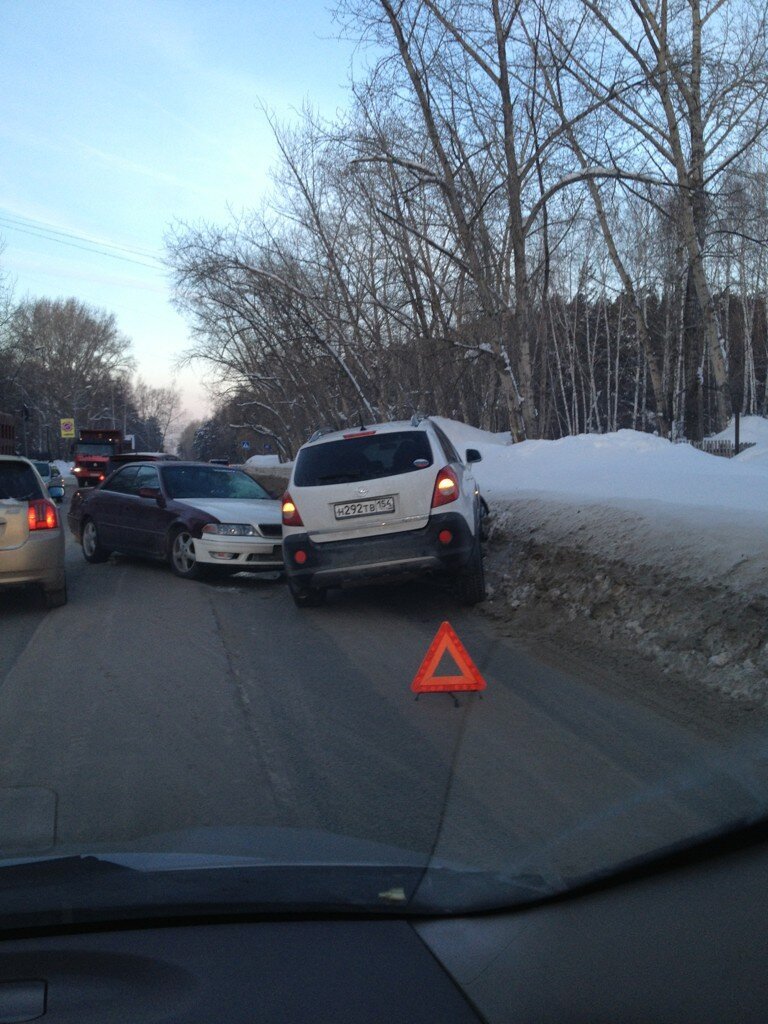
(726, 449)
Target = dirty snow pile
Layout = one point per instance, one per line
(655, 543)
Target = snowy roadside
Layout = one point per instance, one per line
(629, 540)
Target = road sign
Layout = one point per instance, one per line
(245, 445)
(67, 428)
(446, 641)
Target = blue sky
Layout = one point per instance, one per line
(117, 118)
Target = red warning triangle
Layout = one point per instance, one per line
(426, 681)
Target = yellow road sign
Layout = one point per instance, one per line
(67, 428)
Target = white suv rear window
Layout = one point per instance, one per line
(363, 458)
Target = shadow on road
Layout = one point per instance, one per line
(21, 601)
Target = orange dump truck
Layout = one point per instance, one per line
(92, 453)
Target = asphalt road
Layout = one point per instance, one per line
(150, 704)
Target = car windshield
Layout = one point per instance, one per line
(43, 468)
(207, 482)
(453, 320)
(93, 448)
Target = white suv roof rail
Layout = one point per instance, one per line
(320, 432)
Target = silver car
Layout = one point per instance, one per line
(31, 532)
(52, 479)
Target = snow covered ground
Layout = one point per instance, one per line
(751, 428)
(657, 544)
(65, 468)
(261, 461)
(627, 466)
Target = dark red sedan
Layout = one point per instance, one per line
(192, 514)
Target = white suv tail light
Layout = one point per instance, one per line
(291, 515)
(446, 488)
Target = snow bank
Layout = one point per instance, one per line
(272, 475)
(626, 466)
(464, 436)
(65, 468)
(260, 461)
(754, 429)
(657, 546)
(751, 428)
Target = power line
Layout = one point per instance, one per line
(28, 226)
(86, 248)
(41, 225)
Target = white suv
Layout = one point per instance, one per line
(382, 501)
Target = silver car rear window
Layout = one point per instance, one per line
(18, 480)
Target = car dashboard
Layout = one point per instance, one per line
(684, 943)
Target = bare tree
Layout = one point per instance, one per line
(161, 405)
(497, 229)
(65, 358)
(688, 89)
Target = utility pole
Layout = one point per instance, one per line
(24, 417)
(24, 409)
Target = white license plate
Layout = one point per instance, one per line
(371, 507)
